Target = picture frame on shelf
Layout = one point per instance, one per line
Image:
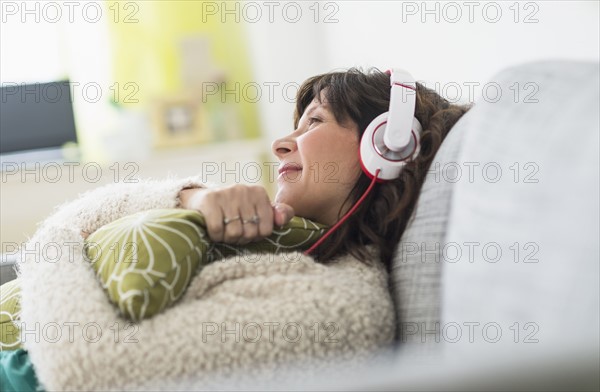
(179, 120)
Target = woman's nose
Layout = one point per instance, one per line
(284, 146)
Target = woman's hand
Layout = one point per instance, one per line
(236, 214)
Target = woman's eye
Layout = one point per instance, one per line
(313, 120)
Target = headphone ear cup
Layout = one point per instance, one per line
(377, 122)
(373, 154)
(370, 159)
(416, 132)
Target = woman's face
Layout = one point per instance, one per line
(318, 164)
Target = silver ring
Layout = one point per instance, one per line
(227, 221)
(255, 219)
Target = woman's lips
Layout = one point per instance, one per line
(289, 171)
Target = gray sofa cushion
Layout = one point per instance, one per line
(548, 125)
(545, 222)
(416, 268)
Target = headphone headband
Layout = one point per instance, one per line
(392, 138)
(402, 110)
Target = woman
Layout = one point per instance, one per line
(320, 174)
(320, 178)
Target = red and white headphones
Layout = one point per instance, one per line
(392, 139)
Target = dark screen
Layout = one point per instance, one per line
(34, 116)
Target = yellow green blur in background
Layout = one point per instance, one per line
(147, 40)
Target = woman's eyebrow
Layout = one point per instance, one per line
(311, 110)
(322, 105)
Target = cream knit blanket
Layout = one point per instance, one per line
(239, 315)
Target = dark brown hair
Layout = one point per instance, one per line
(383, 216)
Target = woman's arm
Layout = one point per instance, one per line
(108, 203)
(248, 209)
(105, 204)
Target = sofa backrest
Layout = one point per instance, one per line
(534, 221)
(416, 269)
(506, 227)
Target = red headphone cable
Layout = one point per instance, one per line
(346, 216)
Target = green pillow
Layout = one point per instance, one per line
(145, 261)
(10, 312)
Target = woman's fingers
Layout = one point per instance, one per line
(283, 213)
(262, 224)
(265, 212)
(208, 204)
(257, 217)
(250, 221)
(232, 225)
(239, 214)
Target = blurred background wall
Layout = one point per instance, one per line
(454, 47)
(167, 85)
(140, 51)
